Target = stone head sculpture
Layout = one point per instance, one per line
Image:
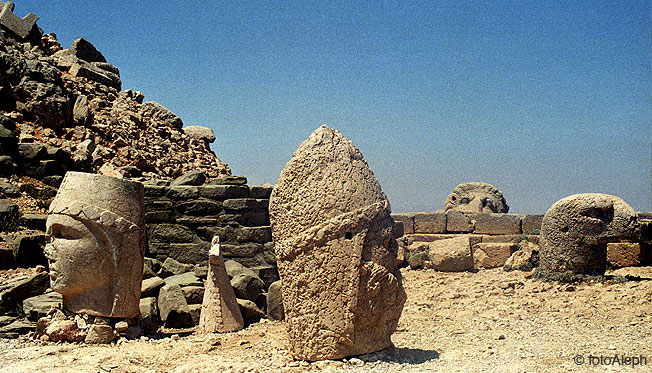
(96, 244)
(476, 197)
(576, 229)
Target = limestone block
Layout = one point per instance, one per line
(222, 192)
(99, 334)
(19, 26)
(333, 238)
(434, 222)
(247, 287)
(250, 310)
(151, 286)
(255, 234)
(491, 223)
(458, 222)
(149, 315)
(492, 255)
(623, 254)
(501, 238)
(173, 307)
(532, 223)
(576, 229)
(220, 311)
(194, 177)
(188, 252)
(451, 255)
(408, 221)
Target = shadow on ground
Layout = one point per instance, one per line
(406, 355)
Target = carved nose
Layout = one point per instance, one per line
(476, 204)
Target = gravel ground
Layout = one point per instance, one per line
(489, 321)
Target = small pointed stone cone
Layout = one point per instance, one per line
(336, 251)
(220, 311)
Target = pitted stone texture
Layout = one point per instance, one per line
(96, 244)
(476, 197)
(219, 311)
(576, 229)
(333, 239)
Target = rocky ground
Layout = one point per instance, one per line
(491, 320)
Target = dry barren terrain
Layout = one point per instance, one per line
(452, 322)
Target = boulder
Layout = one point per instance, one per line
(334, 242)
(451, 255)
(275, 302)
(62, 330)
(173, 307)
(84, 50)
(200, 133)
(184, 279)
(576, 230)
(193, 294)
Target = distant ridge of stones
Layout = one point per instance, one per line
(70, 103)
(336, 251)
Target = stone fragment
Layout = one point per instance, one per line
(97, 244)
(459, 222)
(99, 334)
(476, 197)
(149, 315)
(250, 310)
(229, 180)
(334, 242)
(171, 267)
(184, 279)
(524, 259)
(275, 302)
(193, 177)
(200, 133)
(576, 230)
(623, 254)
(417, 255)
(90, 72)
(173, 307)
(14, 292)
(80, 111)
(161, 115)
(151, 286)
(19, 26)
(492, 254)
(407, 220)
(220, 311)
(36, 307)
(62, 330)
(17, 328)
(451, 255)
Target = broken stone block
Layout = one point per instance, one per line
(623, 254)
(451, 255)
(334, 242)
(275, 302)
(492, 254)
(173, 307)
(19, 26)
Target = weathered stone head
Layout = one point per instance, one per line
(96, 244)
(336, 251)
(476, 197)
(576, 229)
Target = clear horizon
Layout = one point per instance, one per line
(541, 100)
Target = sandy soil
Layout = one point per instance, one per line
(452, 322)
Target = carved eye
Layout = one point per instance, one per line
(58, 231)
(453, 198)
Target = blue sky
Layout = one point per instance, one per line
(541, 99)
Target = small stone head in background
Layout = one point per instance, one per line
(476, 197)
(96, 244)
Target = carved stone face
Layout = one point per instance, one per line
(95, 234)
(476, 197)
(79, 257)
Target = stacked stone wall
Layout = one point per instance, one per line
(182, 219)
